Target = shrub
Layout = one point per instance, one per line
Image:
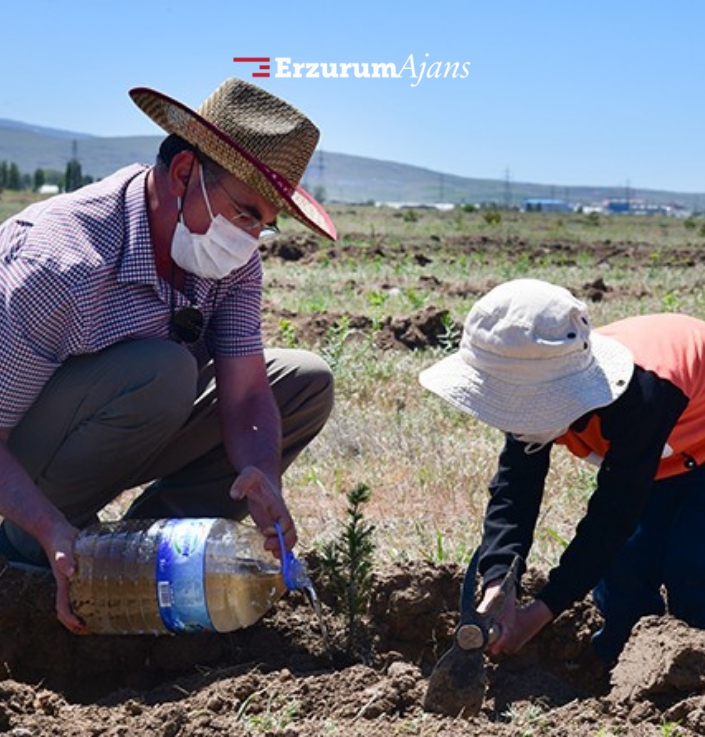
(492, 217)
(347, 562)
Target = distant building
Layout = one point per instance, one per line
(617, 207)
(546, 204)
(48, 189)
(641, 207)
(442, 206)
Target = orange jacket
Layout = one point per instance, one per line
(673, 347)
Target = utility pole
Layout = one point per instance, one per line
(319, 192)
(73, 178)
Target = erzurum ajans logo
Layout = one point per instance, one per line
(285, 68)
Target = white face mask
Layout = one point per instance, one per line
(214, 254)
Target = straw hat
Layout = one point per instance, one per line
(254, 135)
(528, 361)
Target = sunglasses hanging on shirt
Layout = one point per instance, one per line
(185, 324)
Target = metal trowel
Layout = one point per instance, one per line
(458, 681)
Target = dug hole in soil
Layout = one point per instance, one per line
(278, 678)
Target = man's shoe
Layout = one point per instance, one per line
(15, 558)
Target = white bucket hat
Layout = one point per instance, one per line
(528, 361)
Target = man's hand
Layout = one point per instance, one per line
(518, 624)
(59, 550)
(25, 505)
(266, 506)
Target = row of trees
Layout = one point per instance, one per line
(67, 181)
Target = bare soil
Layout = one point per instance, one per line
(278, 677)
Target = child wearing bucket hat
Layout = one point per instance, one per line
(628, 397)
(130, 335)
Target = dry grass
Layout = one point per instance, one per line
(427, 464)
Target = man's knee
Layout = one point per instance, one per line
(300, 379)
(322, 384)
(150, 383)
(133, 384)
(170, 375)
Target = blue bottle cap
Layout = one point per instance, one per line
(293, 570)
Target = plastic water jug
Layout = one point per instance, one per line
(177, 575)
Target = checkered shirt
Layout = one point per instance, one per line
(77, 274)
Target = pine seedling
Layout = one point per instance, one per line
(347, 563)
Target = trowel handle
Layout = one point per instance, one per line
(475, 637)
(494, 633)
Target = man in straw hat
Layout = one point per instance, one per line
(628, 397)
(124, 304)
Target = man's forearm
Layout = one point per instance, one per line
(252, 435)
(21, 501)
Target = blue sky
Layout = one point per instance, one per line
(558, 92)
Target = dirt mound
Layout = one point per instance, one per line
(429, 327)
(663, 662)
(277, 678)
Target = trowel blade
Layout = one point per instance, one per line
(457, 684)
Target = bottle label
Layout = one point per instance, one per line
(181, 591)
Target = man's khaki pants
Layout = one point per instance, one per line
(140, 412)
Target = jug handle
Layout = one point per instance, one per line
(293, 570)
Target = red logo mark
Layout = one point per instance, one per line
(256, 59)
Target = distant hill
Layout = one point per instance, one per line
(342, 177)
(32, 147)
(54, 132)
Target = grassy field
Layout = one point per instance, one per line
(12, 202)
(427, 464)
